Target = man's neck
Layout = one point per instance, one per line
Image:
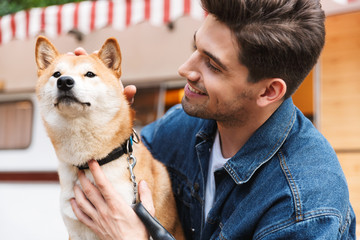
(233, 137)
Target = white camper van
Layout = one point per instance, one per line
(152, 50)
(28, 181)
(155, 40)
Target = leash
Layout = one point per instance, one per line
(156, 230)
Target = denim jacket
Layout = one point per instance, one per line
(284, 183)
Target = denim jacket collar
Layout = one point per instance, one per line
(261, 146)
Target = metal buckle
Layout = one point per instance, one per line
(136, 138)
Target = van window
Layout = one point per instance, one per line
(146, 105)
(152, 102)
(15, 124)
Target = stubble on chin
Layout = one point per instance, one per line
(230, 116)
(194, 110)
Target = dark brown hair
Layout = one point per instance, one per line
(277, 38)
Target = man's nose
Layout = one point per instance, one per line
(190, 69)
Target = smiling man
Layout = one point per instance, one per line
(244, 162)
(218, 87)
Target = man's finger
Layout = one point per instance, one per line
(130, 92)
(79, 213)
(80, 51)
(83, 203)
(82, 217)
(90, 191)
(101, 181)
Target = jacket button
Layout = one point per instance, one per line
(196, 187)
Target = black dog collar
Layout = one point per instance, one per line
(115, 154)
(125, 148)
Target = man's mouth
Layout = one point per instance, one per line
(67, 100)
(195, 91)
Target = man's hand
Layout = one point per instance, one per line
(130, 92)
(104, 211)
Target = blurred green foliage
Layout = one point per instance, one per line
(11, 6)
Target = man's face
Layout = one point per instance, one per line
(217, 86)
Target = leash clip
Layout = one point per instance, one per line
(132, 162)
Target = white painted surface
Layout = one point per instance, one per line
(31, 211)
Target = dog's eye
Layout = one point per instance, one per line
(57, 74)
(90, 74)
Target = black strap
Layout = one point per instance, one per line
(156, 230)
(125, 148)
(115, 154)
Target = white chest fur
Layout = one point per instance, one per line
(116, 172)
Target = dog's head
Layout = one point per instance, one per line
(77, 85)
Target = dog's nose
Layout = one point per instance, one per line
(65, 83)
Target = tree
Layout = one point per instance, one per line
(12, 6)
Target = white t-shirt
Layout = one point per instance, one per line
(217, 161)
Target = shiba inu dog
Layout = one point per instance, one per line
(87, 116)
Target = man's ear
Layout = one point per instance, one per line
(110, 55)
(45, 53)
(273, 90)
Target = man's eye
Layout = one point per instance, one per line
(212, 67)
(57, 74)
(90, 74)
(194, 46)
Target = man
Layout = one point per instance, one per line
(244, 161)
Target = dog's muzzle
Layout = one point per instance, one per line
(65, 84)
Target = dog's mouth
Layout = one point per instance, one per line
(68, 100)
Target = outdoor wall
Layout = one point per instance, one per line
(340, 96)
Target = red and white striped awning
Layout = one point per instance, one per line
(88, 16)
(345, 1)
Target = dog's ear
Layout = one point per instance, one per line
(45, 53)
(110, 55)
